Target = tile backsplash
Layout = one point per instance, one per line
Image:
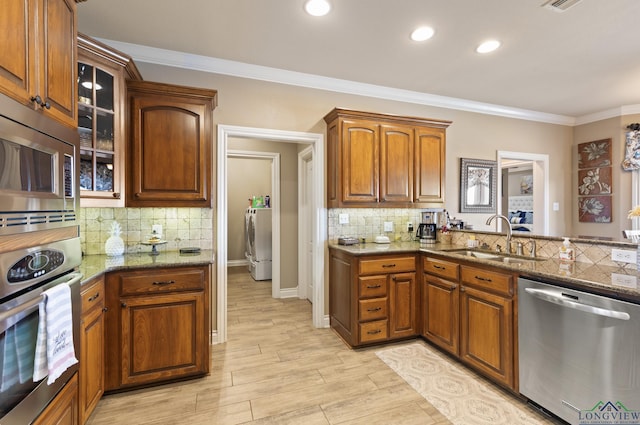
(369, 222)
(181, 227)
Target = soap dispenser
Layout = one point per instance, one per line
(566, 252)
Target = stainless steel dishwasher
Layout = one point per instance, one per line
(579, 353)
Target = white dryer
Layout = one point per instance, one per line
(259, 239)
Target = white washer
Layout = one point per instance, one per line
(259, 237)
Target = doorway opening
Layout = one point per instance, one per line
(316, 208)
(539, 190)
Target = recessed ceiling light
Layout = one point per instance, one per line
(317, 7)
(422, 34)
(488, 46)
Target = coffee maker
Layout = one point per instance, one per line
(431, 221)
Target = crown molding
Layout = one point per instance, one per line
(212, 65)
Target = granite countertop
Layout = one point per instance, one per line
(95, 265)
(618, 282)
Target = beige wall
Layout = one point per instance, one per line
(268, 105)
(251, 103)
(258, 182)
(614, 128)
(246, 177)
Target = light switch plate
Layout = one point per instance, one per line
(156, 229)
(343, 218)
(388, 226)
(623, 255)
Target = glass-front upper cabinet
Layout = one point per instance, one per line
(101, 122)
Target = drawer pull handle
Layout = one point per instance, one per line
(483, 279)
(377, 331)
(386, 266)
(453, 287)
(371, 310)
(435, 266)
(93, 298)
(164, 282)
(373, 286)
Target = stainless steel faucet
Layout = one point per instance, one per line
(533, 248)
(506, 220)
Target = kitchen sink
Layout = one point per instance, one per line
(495, 256)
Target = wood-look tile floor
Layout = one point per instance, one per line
(276, 368)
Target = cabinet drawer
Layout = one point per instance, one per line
(160, 281)
(388, 265)
(373, 286)
(92, 295)
(374, 331)
(487, 279)
(373, 309)
(442, 268)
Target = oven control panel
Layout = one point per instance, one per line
(34, 265)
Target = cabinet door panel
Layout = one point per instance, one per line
(487, 333)
(430, 165)
(403, 305)
(58, 59)
(360, 167)
(441, 313)
(396, 163)
(160, 337)
(17, 77)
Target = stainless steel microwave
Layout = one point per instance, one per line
(38, 187)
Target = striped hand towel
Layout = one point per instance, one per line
(54, 346)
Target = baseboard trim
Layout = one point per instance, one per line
(289, 292)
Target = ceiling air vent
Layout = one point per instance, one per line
(560, 5)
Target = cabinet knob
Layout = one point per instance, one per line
(104, 309)
(94, 297)
(116, 195)
(38, 101)
(462, 289)
(123, 305)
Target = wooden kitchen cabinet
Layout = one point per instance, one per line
(63, 409)
(102, 72)
(487, 322)
(157, 326)
(378, 160)
(170, 152)
(441, 304)
(372, 298)
(469, 312)
(40, 71)
(91, 373)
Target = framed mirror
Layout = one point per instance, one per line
(478, 182)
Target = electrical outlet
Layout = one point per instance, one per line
(624, 280)
(623, 255)
(388, 226)
(409, 227)
(156, 229)
(344, 218)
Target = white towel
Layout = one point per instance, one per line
(54, 346)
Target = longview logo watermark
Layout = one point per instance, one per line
(614, 413)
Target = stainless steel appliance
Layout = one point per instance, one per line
(37, 177)
(579, 353)
(21, 399)
(39, 249)
(426, 232)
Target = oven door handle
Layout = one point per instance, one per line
(70, 279)
(546, 296)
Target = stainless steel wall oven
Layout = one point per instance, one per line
(39, 249)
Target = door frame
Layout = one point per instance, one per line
(305, 224)
(540, 183)
(316, 140)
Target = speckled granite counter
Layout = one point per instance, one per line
(95, 265)
(618, 282)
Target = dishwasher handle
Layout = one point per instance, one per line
(546, 296)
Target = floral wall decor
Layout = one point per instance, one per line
(594, 181)
(632, 148)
